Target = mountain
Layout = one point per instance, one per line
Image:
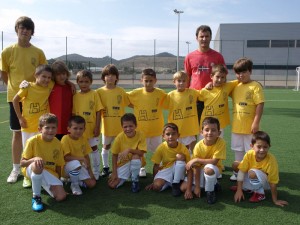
(163, 62)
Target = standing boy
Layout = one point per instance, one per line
(182, 106)
(169, 161)
(127, 154)
(147, 105)
(76, 151)
(18, 63)
(42, 160)
(258, 171)
(34, 104)
(206, 161)
(86, 103)
(248, 103)
(114, 100)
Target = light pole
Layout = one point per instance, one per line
(178, 13)
(188, 44)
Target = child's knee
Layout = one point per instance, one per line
(209, 171)
(252, 174)
(135, 156)
(235, 166)
(60, 196)
(91, 183)
(180, 157)
(158, 184)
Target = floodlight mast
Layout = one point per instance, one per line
(178, 12)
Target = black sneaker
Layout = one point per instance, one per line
(135, 187)
(176, 189)
(105, 172)
(218, 187)
(211, 197)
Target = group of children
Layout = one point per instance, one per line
(178, 162)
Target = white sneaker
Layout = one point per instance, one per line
(142, 172)
(13, 177)
(76, 189)
(220, 176)
(233, 177)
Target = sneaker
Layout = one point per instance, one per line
(218, 187)
(13, 177)
(176, 189)
(256, 197)
(26, 182)
(105, 172)
(220, 176)
(233, 177)
(135, 187)
(76, 189)
(142, 172)
(211, 197)
(37, 204)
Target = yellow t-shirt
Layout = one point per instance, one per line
(268, 165)
(182, 108)
(20, 64)
(78, 148)
(245, 98)
(34, 104)
(216, 103)
(122, 142)
(114, 102)
(49, 151)
(166, 156)
(86, 105)
(216, 151)
(148, 110)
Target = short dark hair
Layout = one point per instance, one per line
(84, 73)
(219, 68)
(76, 119)
(172, 126)
(41, 68)
(211, 120)
(46, 119)
(261, 135)
(203, 28)
(110, 69)
(149, 72)
(128, 117)
(25, 22)
(243, 64)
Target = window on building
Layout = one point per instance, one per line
(258, 43)
(298, 44)
(282, 43)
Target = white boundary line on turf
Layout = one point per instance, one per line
(3, 107)
(4, 121)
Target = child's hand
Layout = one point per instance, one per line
(112, 178)
(39, 162)
(24, 84)
(23, 122)
(238, 196)
(254, 128)
(209, 86)
(281, 203)
(188, 195)
(123, 155)
(189, 165)
(149, 187)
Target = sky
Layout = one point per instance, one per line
(124, 28)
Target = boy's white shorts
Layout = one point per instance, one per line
(74, 164)
(153, 143)
(166, 174)
(48, 180)
(107, 140)
(187, 140)
(241, 142)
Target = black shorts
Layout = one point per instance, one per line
(13, 119)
